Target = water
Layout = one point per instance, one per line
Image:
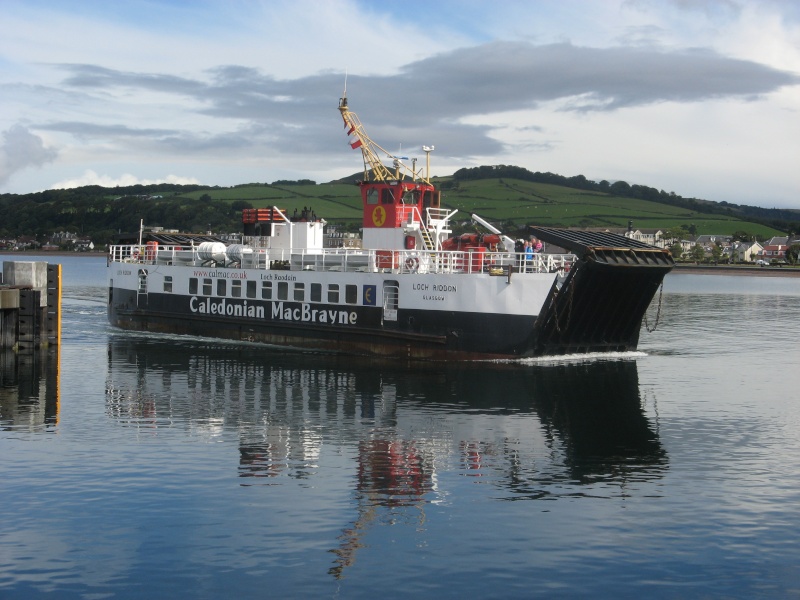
(176, 467)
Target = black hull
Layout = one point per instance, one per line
(417, 334)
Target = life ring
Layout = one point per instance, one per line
(412, 264)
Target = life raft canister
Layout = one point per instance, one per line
(150, 251)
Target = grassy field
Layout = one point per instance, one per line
(503, 201)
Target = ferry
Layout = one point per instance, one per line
(413, 290)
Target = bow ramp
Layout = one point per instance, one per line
(599, 305)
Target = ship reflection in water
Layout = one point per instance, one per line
(407, 437)
(29, 389)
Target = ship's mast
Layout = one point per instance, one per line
(374, 169)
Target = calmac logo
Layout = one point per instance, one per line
(379, 216)
(370, 294)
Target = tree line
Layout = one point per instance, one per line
(102, 213)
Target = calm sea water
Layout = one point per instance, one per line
(162, 467)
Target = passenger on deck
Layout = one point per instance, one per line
(528, 254)
(519, 248)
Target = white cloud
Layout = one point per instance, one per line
(89, 177)
(151, 87)
(22, 149)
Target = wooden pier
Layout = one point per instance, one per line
(30, 306)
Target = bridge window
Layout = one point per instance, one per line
(251, 289)
(387, 196)
(168, 284)
(299, 292)
(410, 197)
(372, 196)
(236, 288)
(316, 292)
(207, 287)
(430, 199)
(266, 290)
(222, 287)
(193, 286)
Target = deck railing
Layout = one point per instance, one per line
(347, 260)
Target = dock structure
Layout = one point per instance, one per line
(30, 306)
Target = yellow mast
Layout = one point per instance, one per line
(370, 150)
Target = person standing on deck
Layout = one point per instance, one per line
(519, 249)
(528, 255)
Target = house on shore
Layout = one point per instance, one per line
(745, 251)
(775, 249)
(654, 237)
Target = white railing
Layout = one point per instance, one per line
(349, 260)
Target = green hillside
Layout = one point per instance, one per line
(558, 206)
(511, 202)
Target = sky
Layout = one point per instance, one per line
(696, 97)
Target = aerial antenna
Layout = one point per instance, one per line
(427, 150)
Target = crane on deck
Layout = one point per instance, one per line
(374, 169)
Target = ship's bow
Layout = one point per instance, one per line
(600, 304)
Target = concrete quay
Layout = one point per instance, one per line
(30, 305)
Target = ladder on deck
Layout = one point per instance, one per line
(436, 223)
